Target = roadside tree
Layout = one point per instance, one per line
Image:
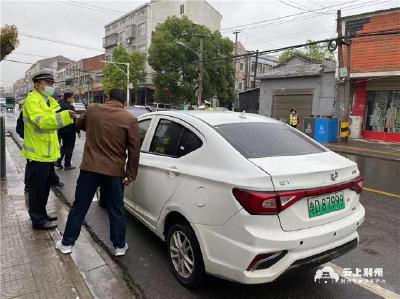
(8, 40)
(115, 74)
(317, 52)
(174, 56)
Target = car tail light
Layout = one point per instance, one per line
(271, 203)
(257, 203)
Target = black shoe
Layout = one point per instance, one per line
(59, 166)
(69, 167)
(46, 226)
(59, 184)
(50, 218)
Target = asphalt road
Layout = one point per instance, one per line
(146, 261)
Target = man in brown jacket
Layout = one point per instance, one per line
(112, 136)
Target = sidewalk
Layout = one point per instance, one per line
(30, 265)
(375, 149)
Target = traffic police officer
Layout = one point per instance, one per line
(41, 146)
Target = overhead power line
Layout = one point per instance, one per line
(336, 39)
(60, 42)
(300, 8)
(287, 16)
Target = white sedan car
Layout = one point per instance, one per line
(242, 196)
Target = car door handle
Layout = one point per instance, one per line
(173, 171)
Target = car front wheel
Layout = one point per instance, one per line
(185, 256)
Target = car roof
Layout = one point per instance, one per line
(214, 118)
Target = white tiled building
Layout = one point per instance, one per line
(134, 29)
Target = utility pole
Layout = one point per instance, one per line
(255, 70)
(200, 91)
(236, 32)
(340, 94)
(347, 82)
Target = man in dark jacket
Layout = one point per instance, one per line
(110, 160)
(67, 135)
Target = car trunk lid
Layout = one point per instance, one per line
(314, 176)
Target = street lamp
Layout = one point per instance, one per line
(200, 55)
(127, 77)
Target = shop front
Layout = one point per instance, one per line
(377, 101)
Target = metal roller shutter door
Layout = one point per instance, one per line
(283, 103)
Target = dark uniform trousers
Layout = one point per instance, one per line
(68, 138)
(40, 176)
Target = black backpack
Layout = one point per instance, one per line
(20, 125)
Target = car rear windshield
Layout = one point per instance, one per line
(259, 140)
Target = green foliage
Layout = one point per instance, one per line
(8, 40)
(177, 67)
(317, 52)
(115, 74)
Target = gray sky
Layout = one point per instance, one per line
(66, 20)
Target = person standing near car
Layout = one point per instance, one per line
(110, 160)
(41, 146)
(67, 135)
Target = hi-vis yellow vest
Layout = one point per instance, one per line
(293, 119)
(41, 122)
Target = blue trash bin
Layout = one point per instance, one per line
(326, 130)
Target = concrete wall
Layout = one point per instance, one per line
(323, 90)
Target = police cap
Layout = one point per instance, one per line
(46, 75)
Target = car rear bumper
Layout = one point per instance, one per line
(228, 250)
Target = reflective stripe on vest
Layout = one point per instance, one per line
(28, 149)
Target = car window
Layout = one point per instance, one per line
(259, 140)
(161, 106)
(166, 138)
(189, 143)
(143, 127)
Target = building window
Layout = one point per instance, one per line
(141, 13)
(122, 22)
(252, 66)
(130, 17)
(182, 9)
(240, 85)
(142, 48)
(141, 29)
(122, 37)
(241, 66)
(383, 111)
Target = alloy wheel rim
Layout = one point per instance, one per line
(181, 254)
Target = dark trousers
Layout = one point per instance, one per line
(68, 143)
(86, 187)
(39, 175)
(54, 179)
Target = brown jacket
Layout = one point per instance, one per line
(112, 135)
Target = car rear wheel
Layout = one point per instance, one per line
(185, 256)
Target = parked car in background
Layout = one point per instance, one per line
(148, 108)
(79, 107)
(10, 103)
(161, 107)
(242, 196)
(2, 102)
(137, 110)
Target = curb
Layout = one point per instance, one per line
(367, 155)
(363, 154)
(135, 289)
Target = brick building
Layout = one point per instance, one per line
(375, 73)
(84, 77)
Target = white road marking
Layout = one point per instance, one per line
(366, 284)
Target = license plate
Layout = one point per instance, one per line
(325, 204)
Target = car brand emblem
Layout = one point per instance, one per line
(334, 175)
